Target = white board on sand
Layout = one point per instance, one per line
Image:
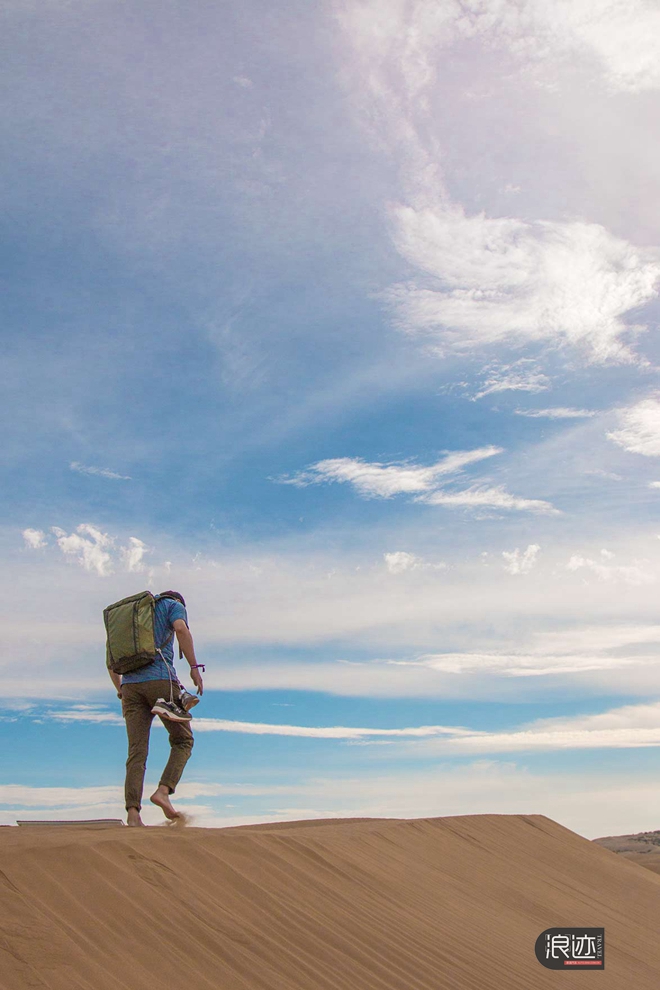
(89, 823)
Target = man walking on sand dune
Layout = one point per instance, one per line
(143, 694)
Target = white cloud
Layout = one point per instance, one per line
(98, 472)
(323, 732)
(88, 545)
(34, 538)
(480, 497)
(519, 664)
(47, 797)
(617, 37)
(622, 35)
(640, 428)
(595, 639)
(484, 280)
(628, 573)
(400, 561)
(266, 728)
(132, 554)
(517, 377)
(625, 727)
(521, 563)
(631, 726)
(558, 412)
(92, 717)
(488, 280)
(343, 603)
(94, 550)
(375, 480)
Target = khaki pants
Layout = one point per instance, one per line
(137, 700)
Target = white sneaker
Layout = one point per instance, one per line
(169, 709)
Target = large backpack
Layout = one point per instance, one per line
(129, 626)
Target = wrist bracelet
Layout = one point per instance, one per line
(198, 666)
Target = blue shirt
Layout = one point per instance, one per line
(166, 611)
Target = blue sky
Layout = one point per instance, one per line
(341, 318)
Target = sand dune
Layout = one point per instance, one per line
(341, 904)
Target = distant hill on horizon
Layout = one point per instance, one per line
(642, 848)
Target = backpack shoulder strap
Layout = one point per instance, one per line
(158, 598)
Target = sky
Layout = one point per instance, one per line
(341, 319)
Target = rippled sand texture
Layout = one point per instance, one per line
(341, 904)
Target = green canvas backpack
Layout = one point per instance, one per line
(129, 626)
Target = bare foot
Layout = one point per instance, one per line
(161, 797)
(133, 817)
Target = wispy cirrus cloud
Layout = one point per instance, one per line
(521, 376)
(556, 412)
(488, 497)
(596, 638)
(267, 728)
(628, 727)
(376, 480)
(56, 797)
(324, 732)
(639, 431)
(98, 472)
(91, 716)
(624, 727)
(508, 664)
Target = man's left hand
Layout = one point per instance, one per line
(196, 678)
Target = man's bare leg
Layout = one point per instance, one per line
(133, 817)
(161, 797)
